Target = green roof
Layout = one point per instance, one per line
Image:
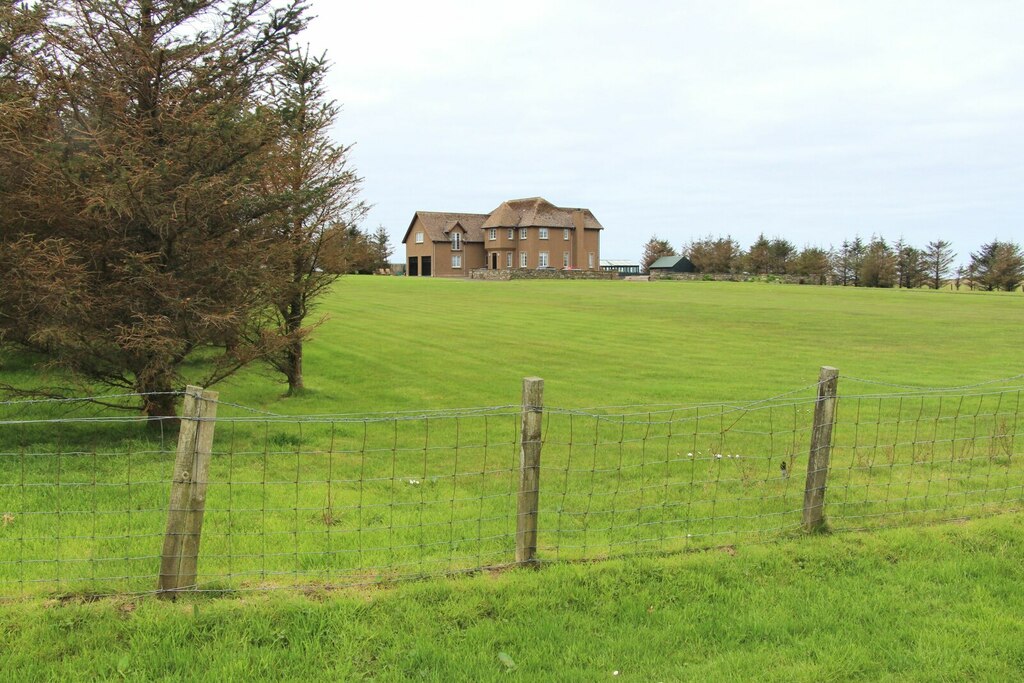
(666, 262)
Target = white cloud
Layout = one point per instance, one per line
(810, 120)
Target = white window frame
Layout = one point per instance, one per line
(565, 234)
(590, 260)
(542, 260)
(522, 233)
(457, 261)
(542, 233)
(524, 260)
(492, 233)
(456, 241)
(565, 259)
(511, 233)
(508, 259)
(419, 238)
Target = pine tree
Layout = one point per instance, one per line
(320, 193)
(998, 266)
(878, 266)
(141, 189)
(654, 250)
(382, 249)
(938, 257)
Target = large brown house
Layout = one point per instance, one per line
(521, 233)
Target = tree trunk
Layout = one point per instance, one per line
(161, 409)
(293, 353)
(159, 402)
(293, 364)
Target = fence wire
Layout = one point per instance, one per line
(340, 500)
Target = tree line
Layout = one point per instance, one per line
(171, 201)
(997, 265)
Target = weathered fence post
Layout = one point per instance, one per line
(188, 491)
(821, 449)
(529, 470)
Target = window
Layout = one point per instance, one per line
(511, 233)
(508, 259)
(419, 238)
(542, 259)
(522, 260)
(492, 234)
(522, 233)
(456, 260)
(543, 233)
(565, 259)
(565, 234)
(590, 260)
(456, 241)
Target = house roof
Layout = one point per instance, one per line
(438, 225)
(537, 212)
(667, 262)
(515, 213)
(618, 263)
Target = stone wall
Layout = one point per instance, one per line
(741, 277)
(552, 274)
(545, 274)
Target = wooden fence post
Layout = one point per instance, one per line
(821, 449)
(188, 491)
(529, 470)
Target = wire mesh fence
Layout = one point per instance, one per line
(88, 499)
(921, 456)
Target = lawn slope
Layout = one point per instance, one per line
(408, 343)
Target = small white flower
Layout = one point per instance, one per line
(689, 455)
(615, 673)
(718, 456)
(414, 481)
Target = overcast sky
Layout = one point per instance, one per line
(814, 121)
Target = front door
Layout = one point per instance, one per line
(494, 260)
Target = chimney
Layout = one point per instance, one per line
(580, 259)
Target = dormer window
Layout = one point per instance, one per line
(456, 241)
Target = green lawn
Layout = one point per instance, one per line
(646, 384)
(920, 604)
(407, 343)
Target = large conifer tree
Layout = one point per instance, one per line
(139, 189)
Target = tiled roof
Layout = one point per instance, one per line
(438, 224)
(515, 213)
(537, 212)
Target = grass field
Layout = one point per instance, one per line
(408, 343)
(403, 343)
(326, 502)
(923, 604)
